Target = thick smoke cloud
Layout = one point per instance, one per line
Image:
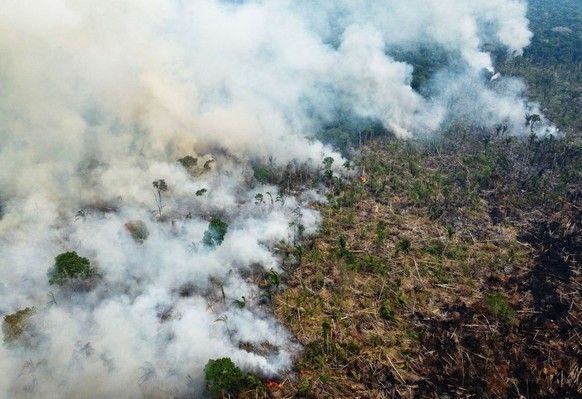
(98, 100)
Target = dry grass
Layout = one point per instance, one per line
(397, 299)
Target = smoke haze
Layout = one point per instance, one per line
(98, 100)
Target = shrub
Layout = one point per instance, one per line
(223, 377)
(69, 265)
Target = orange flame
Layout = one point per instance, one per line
(363, 179)
(273, 384)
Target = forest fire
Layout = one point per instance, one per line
(273, 385)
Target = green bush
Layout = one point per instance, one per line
(69, 265)
(223, 377)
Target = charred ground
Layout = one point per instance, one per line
(445, 268)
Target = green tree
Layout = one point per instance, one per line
(223, 377)
(214, 236)
(69, 265)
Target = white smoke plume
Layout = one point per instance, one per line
(98, 99)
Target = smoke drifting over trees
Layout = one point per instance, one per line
(99, 100)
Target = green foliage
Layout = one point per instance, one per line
(435, 247)
(223, 377)
(214, 236)
(327, 172)
(303, 387)
(298, 227)
(337, 138)
(422, 193)
(341, 240)
(201, 192)
(259, 199)
(15, 325)
(69, 265)
(138, 230)
(273, 278)
(371, 264)
(207, 164)
(350, 131)
(280, 198)
(327, 162)
(263, 175)
(387, 311)
(343, 251)
(403, 245)
(188, 161)
(250, 381)
(484, 176)
(427, 59)
(381, 231)
(240, 303)
(499, 307)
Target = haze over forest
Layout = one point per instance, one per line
(169, 171)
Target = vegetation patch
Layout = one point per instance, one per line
(214, 235)
(16, 325)
(138, 230)
(499, 307)
(433, 275)
(69, 266)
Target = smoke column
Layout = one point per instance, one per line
(98, 99)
